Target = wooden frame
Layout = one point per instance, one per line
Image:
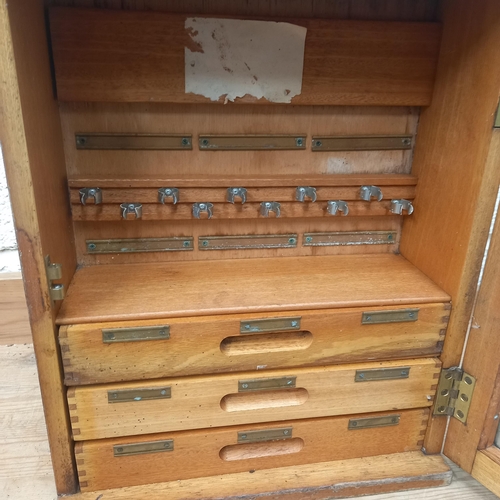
(458, 177)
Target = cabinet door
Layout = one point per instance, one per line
(475, 446)
(31, 138)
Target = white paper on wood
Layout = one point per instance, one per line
(232, 58)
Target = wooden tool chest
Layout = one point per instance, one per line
(266, 292)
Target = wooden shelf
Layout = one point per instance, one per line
(164, 290)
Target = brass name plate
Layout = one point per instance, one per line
(247, 242)
(266, 435)
(370, 423)
(397, 316)
(130, 395)
(267, 325)
(139, 245)
(123, 450)
(361, 143)
(136, 334)
(251, 142)
(382, 374)
(262, 384)
(346, 238)
(133, 141)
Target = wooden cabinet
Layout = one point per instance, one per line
(256, 297)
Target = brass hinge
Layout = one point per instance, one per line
(54, 273)
(454, 393)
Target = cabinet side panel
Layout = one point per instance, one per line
(34, 160)
(446, 236)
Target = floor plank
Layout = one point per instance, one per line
(25, 469)
(14, 325)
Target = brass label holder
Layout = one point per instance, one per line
(396, 316)
(247, 242)
(135, 395)
(266, 384)
(139, 245)
(268, 325)
(135, 334)
(124, 450)
(133, 141)
(361, 143)
(374, 422)
(261, 436)
(382, 374)
(251, 142)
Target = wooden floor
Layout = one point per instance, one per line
(25, 470)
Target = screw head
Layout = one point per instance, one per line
(404, 372)
(243, 436)
(186, 244)
(81, 140)
(361, 375)
(185, 141)
(288, 382)
(318, 144)
(295, 323)
(286, 432)
(119, 450)
(205, 142)
(354, 424)
(406, 142)
(299, 142)
(245, 386)
(204, 243)
(91, 246)
(292, 241)
(163, 392)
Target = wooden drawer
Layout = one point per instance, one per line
(113, 352)
(166, 405)
(130, 461)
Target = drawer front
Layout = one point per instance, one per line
(166, 405)
(120, 462)
(115, 352)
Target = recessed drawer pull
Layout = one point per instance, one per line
(263, 384)
(112, 335)
(270, 325)
(124, 450)
(397, 316)
(370, 423)
(382, 374)
(129, 395)
(265, 435)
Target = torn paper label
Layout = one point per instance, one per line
(233, 58)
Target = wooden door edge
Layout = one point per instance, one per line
(486, 469)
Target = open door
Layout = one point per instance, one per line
(475, 445)
(31, 142)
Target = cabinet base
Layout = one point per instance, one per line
(326, 480)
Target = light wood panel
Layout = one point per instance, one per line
(482, 358)
(398, 60)
(322, 481)
(487, 469)
(160, 118)
(14, 325)
(31, 140)
(214, 344)
(214, 401)
(457, 179)
(161, 290)
(204, 453)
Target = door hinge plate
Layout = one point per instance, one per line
(454, 393)
(54, 273)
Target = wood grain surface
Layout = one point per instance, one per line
(30, 133)
(214, 401)
(14, 322)
(216, 451)
(486, 469)
(214, 344)
(458, 173)
(345, 62)
(161, 290)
